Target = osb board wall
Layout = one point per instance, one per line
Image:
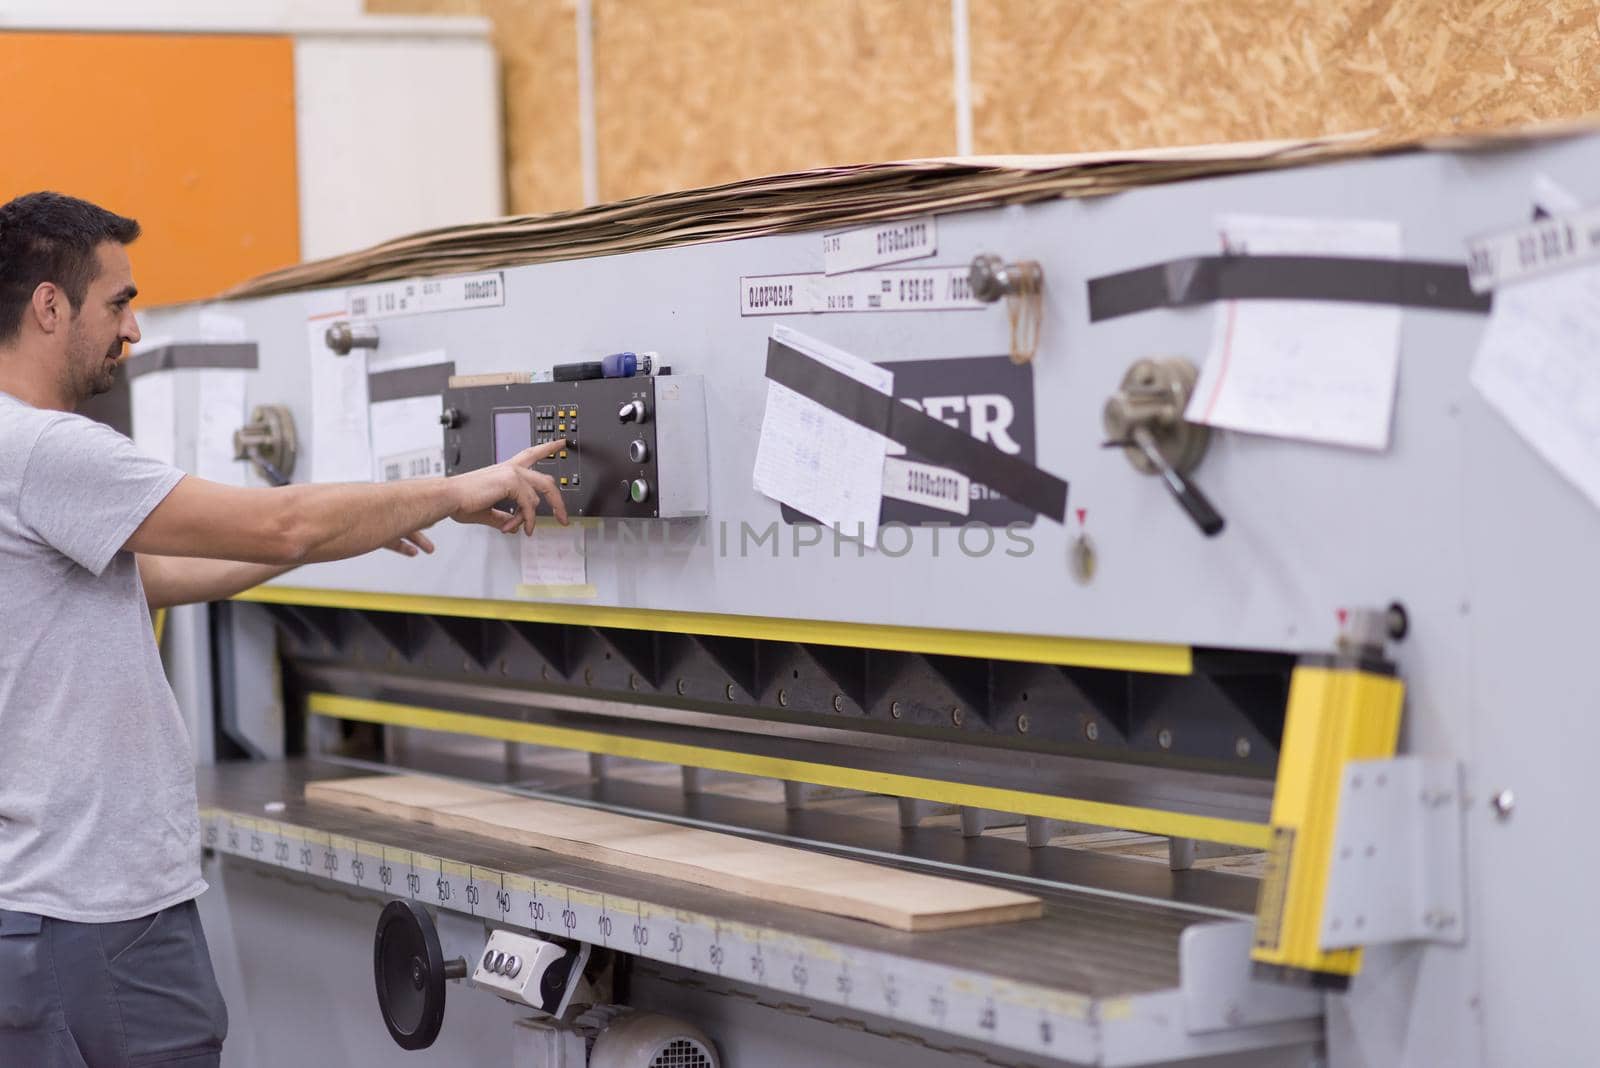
(693, 92)
(1081, 74)
(699, 93)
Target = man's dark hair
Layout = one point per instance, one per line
(48, 237)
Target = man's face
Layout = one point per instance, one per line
(101, 326)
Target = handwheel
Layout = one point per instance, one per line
(410, 971)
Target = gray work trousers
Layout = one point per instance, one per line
(133, 994)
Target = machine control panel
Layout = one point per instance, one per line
(635, 447)
(536, 972)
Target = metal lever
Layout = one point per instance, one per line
(343, 336)
(268, 441)
(1145, 418)
(992, 277)
(1189, 497)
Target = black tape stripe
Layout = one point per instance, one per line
(1203, 279)
(432, 378)
(935, 441)
(234, 355)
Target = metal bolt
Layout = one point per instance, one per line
(683, 687)
(1355, 782)
(1022, 723)
(729, 691)
(505, 668)
(838, 702)
(588, 676)
(1091, 731)
(1361, 921)
(783, 698)
(1241, 748)
(1082, 559)
(1164, 738)
(1372, 850)
(633, 681)
(1504, 802)
(955, 716)
(894, 709)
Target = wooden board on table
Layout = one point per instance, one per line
(908, 901)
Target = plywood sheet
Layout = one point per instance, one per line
(1085, 74)
(191, 134)
(905, 900)
(692, 94)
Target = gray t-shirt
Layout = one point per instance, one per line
(98, 821)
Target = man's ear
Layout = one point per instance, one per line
(50, 309)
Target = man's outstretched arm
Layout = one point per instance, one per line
(277, 529)
(173, 580)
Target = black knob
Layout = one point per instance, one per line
(631, 412)
(450, 418)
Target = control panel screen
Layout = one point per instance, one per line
(513, 432)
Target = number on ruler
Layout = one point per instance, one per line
(385, 874)
(502, 900)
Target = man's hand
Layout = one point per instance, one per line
(477, 492)
(408, 545)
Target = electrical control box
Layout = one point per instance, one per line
(636, 447)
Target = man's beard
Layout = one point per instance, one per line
(100, 376)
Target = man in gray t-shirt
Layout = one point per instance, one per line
(102, 961)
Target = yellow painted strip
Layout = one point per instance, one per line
(1154, 657)
(573, 592)
(1127, 817)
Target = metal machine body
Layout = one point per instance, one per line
(981, 668)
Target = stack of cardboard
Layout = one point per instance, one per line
(825, 198)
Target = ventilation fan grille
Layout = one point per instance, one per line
(683, 1053)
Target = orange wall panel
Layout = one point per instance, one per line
(193, 135)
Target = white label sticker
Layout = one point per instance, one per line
(1540, 247)
(906, 289)
(414, 296)
(419, 463)
(874, 246)
(554, 555)
(925, 484)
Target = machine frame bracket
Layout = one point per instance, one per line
(1220, 991)
(1396, 873)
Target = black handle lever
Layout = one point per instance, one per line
(1187, 494)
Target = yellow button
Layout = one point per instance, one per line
(563, 480)
(563, 454)
(561, 426)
